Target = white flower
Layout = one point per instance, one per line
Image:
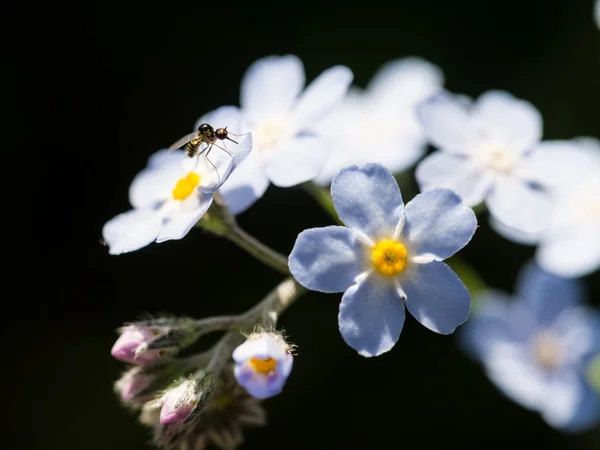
(282, 118)
(174, 191)
(484, 148)
(379, 124)
(597, 10)
(570, 247)
(262, 364)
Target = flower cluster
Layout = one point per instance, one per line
(347, 147)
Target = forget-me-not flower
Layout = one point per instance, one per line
(570, 246)
(483, 148)
(173, 192)
(379, 124)
(536, 347)
(282, 116)
(263, 364)
(388, 257)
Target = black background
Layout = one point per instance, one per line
(108, 83)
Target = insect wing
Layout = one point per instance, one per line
(184, 140)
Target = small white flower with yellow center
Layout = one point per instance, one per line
(537, 347)
(570, 246)
(282, 116)
(379, 124)
(173, 192)
(389, 257)
(263, 363)
(484, 148)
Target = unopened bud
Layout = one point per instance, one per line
(143, 343)
(179, 402)
(263, 363)
(133, 384)
(181, 407)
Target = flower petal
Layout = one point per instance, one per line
(490, 325)
(445, 118)
(438, 224)
(131, 230)
(519, 205)
(512, 369)
(264, 347)
(225, 116)
(321, 96)
(570, 403)
(246, 184)
(367, 198)
(371, 317)
(569, 254)
(560, 165)
(180, 222)
(445, 170)
(436, 297)
(578, 329)
(326, 259)
(270, 87)
(515, 123)
(514, 235)
(406, 81)
(547, 295)
(156, 182)
(299, 159)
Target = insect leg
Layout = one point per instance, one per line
(211, 163)
(224, 149)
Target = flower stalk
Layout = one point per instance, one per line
(220, 221)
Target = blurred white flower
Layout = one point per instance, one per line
(174, 191)
(282, 117)
(597, 9)
(379, 124)
(570, 247)
(484, 147)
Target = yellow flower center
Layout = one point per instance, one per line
(263, 366)
(547, 351)
(185, 186)
(389, 257)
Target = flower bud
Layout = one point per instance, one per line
(133, 384)
(179, 402)
(263, 363)
(144, 343)
(180, 409)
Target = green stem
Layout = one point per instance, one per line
(260, 251)
(220, 221)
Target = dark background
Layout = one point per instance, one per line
(113, 82)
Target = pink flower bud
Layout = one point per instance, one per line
(132, 383)
(178, 403)
(132, 345)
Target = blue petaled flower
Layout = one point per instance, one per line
(388, 257)
(262, 364)
(537, 346)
